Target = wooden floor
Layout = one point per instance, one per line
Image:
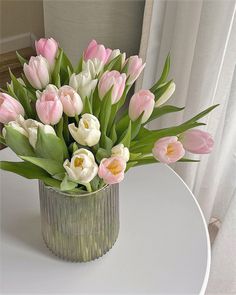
(9, 60)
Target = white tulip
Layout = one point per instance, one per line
(114, 54)
(93, 66)
(88, 132)
(16, 126)
(82, 168)
(30, 128)
(120, 151)
(83, 83)
(166, 95)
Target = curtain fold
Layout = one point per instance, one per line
(201, 37)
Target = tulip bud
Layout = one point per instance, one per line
(168, 150)
(94, 67)
(10, 108)
(14, 125)
(48, 48)
(120, 151)
(82, 168)
(141, 102)
(71, 101)
(112, 170)
(197, 141)
(37, 72)
(88, 132)
(112, 79)
(166, 95)
(114, 54)
(95, 50)
(48, 105)
(134, 68)
(83, 84)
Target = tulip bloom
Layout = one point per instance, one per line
(95, 50)
(168, 150)
(166, 95)
(109, 79)
(120, 151)
(88, 132)
(197, 141)
(71, 101)
(31, 128)
(134, 68)
(37, 72)
(48, 48)
(93, 67)
(48, 105)
(112, 170)
(10, 108)
(82, 168)
(141, 102)
(83, 84)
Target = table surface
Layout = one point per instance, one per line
(163, 244)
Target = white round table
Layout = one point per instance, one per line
(162, 248)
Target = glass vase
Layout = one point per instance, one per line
(79, 227)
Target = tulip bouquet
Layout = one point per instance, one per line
(68, 127)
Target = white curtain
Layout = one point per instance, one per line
(201, 37)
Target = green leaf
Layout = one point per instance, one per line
(95, 183)
(51, 166)
(29, 171)
(105, 111)
(79, 66)
(87, 108)
(130, 165)
(136, 126)
(126, 138)
(21, 59)
(164, 75)
(188, 160)
(202, 114)
(67, 185)
(22, 96)
(18, 142)
(134, 156)
(101, 154)
(106, 142)
(158, 112)
(114, 64)
(56, 71)
(49, 146)
(113, 134)
(2, 140)
(96, 105)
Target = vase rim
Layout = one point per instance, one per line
(76, 195)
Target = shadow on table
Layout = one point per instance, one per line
(27, 231)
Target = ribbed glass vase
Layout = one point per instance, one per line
(79, 227)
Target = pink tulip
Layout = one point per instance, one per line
(112, 170)
(168, 150)
(48, 105)
(37, 72)
(10, 108)
(197, 141)
(95, 50)
(71, 101)
(134, 68)
(109, 79)
(141, 102)
(48, 48)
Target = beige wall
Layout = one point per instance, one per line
(116, 23)
(19, 17)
